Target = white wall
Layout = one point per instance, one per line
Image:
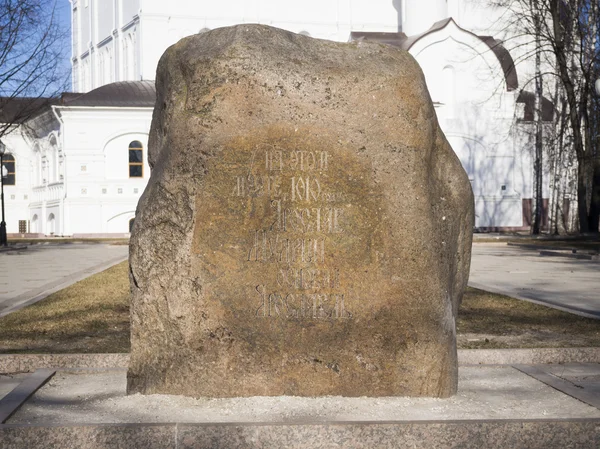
(477, 113)
(17, 197)
(102, 32)
(101, 197)
(85, 24)
(419, 15)
(130, 8)
(163, 23)
(105, 19)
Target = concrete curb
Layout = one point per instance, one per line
(6, 249)
(25, 363)
(571, 255)
(533, 356)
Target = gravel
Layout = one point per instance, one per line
(485, 392)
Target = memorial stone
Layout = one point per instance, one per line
(306, 229)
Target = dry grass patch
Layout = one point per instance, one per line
(488, 320)
(584, 244)
(92, 316)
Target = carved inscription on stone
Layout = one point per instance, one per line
(287, 231)
(294, 238)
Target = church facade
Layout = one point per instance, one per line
(81, 164)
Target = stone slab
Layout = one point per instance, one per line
(10, 403)
(588, 395)
(514, 434)
(88, 437)
(431, 435)
(9, 381)
(586, 376)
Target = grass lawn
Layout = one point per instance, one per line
(92, 316)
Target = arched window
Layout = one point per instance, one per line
(51, 225)
(136, 159)
(131, 225)
(8, 170)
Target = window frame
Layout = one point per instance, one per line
(140, 163)
(9, 158)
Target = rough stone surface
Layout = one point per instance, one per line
(306, 230)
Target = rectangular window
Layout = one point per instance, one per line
(22, 226)
(9, 180)
(135, 171)
(8, 170)
(136, 161)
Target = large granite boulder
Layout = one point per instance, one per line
(306, 229)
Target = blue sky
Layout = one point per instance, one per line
(64, 16)
(64, 11)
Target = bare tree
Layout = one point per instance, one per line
(565, 35)
(538, 119)
(574, 37)
(32, 45)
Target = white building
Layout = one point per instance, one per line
(73, 172)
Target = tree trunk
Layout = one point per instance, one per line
(537, 111)
(594, 216)
(582, 198)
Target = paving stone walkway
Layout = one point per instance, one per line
(568, 284)
(31, 274)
